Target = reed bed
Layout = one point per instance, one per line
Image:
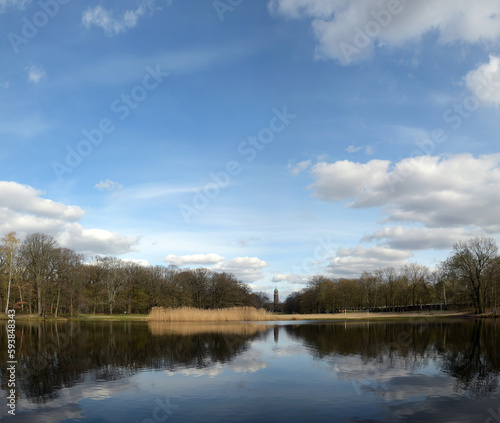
(190, 314)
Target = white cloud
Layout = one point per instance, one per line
(24, 199)
(353, 261)
(338, 24)
(210, 371)
(140, 262)
(449, 198)
(194, 259)
(22, 210)
(454, 191)
(248, 362)
(484, 81)
(92, 241)
(353, 149)
(247, 269)
(295, 169)
(35, 73)
(296, 9)
(105, 19)
(291, 278)
(343, 179)
(108, 185)
(418, 238)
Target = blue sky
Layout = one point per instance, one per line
(275, 139)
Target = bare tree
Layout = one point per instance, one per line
(135, 275)
(469, 262)
(67, 266)
(9, 258)
(37, 250)
(199, 282)
(113, 278)
(389, 277)
(416, 275)
(370, 286)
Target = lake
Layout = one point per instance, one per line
(420, 371)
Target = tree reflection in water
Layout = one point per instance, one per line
(54, 356)
(469, 351)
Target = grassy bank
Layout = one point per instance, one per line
(377, 316)
(103, 317)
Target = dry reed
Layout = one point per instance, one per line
(190, 314)
(197, 328)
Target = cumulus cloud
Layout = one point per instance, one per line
(344, 179)
(449, 192)
(352, 261)
(105, 19)
(108, 186)
(35, 73)
(348, 31)
(193, 259)
(24, 211)
(248, 269)
(484, 82)
(92, 241)
(26, 200)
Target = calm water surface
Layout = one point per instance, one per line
(286, 372)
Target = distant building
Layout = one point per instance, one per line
(276, 299)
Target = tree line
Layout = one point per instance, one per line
(39, 276)
(469, 277)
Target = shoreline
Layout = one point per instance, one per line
(383, 315)
(357, 316)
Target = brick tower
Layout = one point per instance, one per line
(276, 299)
